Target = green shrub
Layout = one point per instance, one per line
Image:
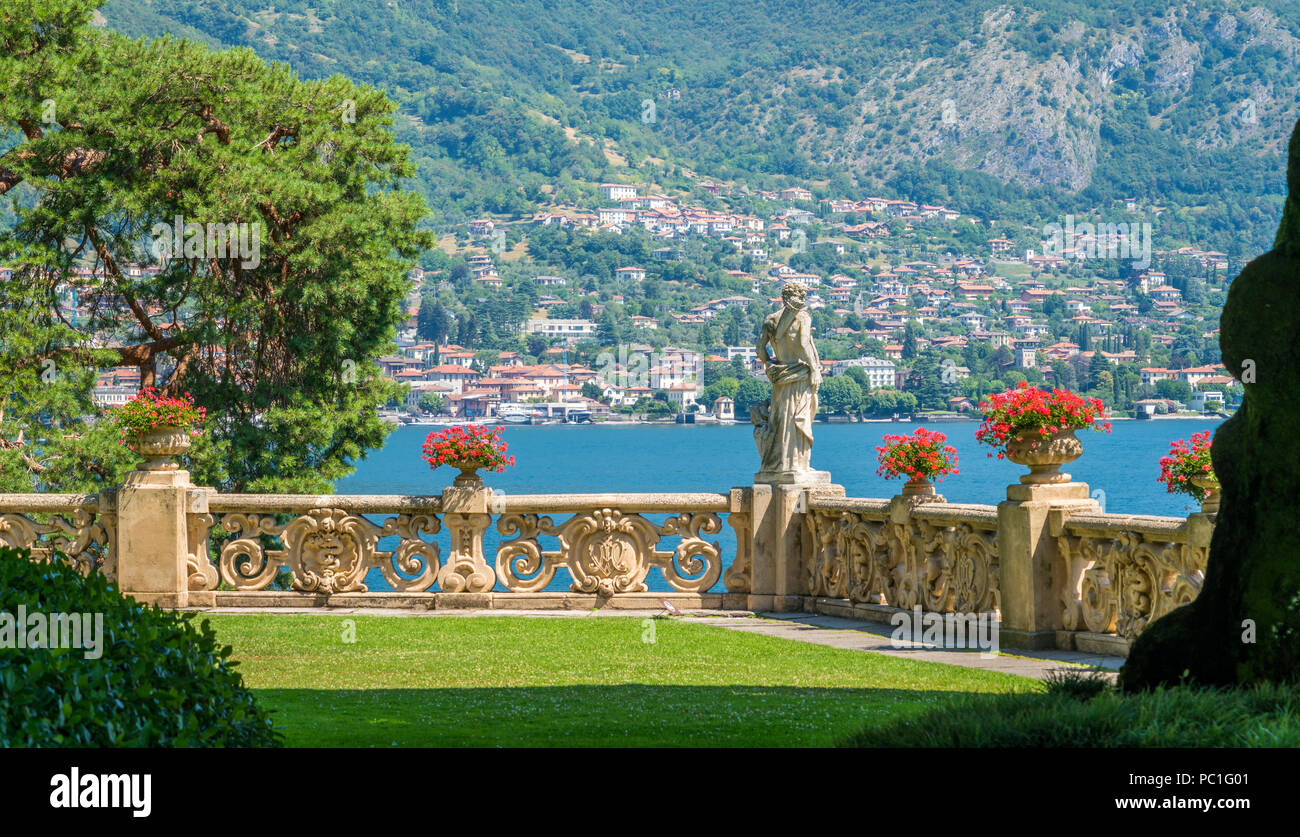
(1080, 683)
(158, 682)
(1184, 716)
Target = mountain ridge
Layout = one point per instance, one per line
(995, 108)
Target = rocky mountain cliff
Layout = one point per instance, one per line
(995, 107)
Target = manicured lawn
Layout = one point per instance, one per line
(577, 681)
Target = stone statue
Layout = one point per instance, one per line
(783, 423)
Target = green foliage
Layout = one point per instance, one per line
(1174, 389)
(887, 402)
(1081, 683)
(279, 347)
(433, 323)
(1267, 716)
(159, 681)
(751, 391)
(432, 402)
(839, 394)
(925, 381)
(722, 387)
(654, 407)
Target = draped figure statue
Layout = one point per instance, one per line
(783, 423)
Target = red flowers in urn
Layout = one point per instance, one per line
(918, 456)
(1188, 470)
(1027, 413)
(158, 427)
(1036, 428)
(149, 411)
(468, 448)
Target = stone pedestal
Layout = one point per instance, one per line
(153, 537)
(1033, 574)
(779, 578)
(806, 478)
(1200, 529)
(466, 516)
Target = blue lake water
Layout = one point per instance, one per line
(562, 459)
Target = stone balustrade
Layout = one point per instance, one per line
(1123, 572)
(328, 545)
(1056, 571)
(940, 556)
(81, 526)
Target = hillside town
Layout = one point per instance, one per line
(894, 315)
(916, 325)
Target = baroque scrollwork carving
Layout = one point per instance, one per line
(467, 571)
(828, 567)
(203, 574)
(328, 551)
(963, 570)
(607, 551)
(865, 545)
(937, 565)
(82, 536)
(739, 576)
(1121, 583)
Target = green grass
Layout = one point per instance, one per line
(1081, 714)
(590, 681)
(1011, 270)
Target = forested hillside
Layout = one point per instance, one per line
(996, 108)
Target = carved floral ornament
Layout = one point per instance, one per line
(326, 550)
(86, 538)
(1122, 583)
(608, 551)
(940, 566)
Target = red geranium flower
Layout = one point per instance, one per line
(1187, 462)
(921, 454)
(1026, 412)
(459, 445)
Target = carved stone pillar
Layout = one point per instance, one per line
(466, 518)
(1033, 572)
(153, 537)
(739, 577)
(780, 556)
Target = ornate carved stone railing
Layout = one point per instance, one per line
(941, 556)
(851, 542)
(1124, 572)
(1057, 573)
(81, 526)
(608, 544)
(324, 542)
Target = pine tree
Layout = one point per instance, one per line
(278, 338)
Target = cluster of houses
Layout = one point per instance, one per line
(665, 217)
(471, 389)
(957, 299)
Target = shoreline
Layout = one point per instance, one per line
(918, 420)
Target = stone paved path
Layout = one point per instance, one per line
(832, 631)
(876, 637)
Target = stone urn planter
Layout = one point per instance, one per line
(468, 476)
(1044, 455)
(919, 490)
(1209, 504)
(467, 449)
(158, 446)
